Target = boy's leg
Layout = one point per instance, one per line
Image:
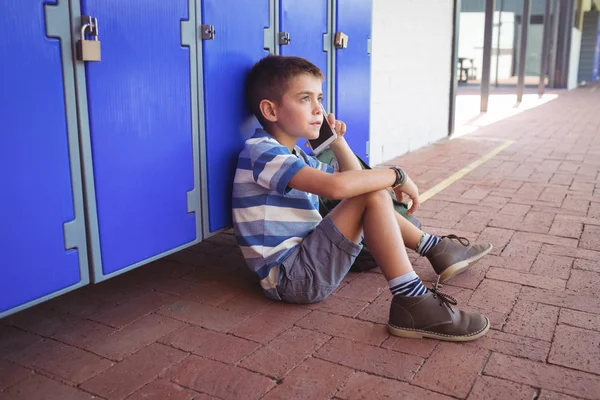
(449, 255)
(413, 313)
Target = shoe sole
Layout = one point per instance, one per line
(419, 334)
(460, 267)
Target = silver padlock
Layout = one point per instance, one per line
(89, 50)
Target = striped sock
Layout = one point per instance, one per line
(427, 243)
(408, 284)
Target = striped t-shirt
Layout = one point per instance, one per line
(270, 218)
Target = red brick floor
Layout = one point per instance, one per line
(195, 325)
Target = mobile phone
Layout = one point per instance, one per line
(327, 136)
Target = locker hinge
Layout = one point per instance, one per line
(208, 32)
(368, 148)
(284, 38)
(369, 44)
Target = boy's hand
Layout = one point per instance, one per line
(338, 126)
(411, 190)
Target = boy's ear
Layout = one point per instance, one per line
(267, 108)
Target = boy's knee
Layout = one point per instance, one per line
(379, 197)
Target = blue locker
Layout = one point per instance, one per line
(42, 234)
(140, 107)
(353, 72)
(239, 42)
(306, 22)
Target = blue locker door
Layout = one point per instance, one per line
(140, 123)
(36, 197)
(353, 72)
(306, 22)
(239, 43)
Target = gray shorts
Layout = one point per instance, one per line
(317, 266)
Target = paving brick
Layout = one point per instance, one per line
(313, 379)
(487, 387)
(495, 296)
(594, 210)
(286, 351)
(576, 348)
(532, 320)
(552, 266)
(586, 265)
(579, 319)
(348, 328)
(539, 237)
(519, 210)
(134, 372)
(78, 303)
(508, 275)
(379, 310)
(162, 389)
(246, 304)
(472, 278)
(270, 322)
(562, 179)
(133, 309)
(363, 386)
(584, 282)
(477, 193)
(550, 395)
(218, 379)
(214, 345)
(416, 347)
(590, 239)
(571, 252)
(473, 222)
(11, 374)
(554, 195)
(13, 340)
(370, 359)
(571, 203)
(39, 387)
(543, 376)
(134, 337)
(497, 237)
(41, 320)
(519, 346)
(566, 299)
(340, 305)
(215, 318)
(61, 360)
(82, 333)
(566, 229)
(205, 286)
(465, 362)
(366, 287)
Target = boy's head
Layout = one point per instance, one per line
(285, 94)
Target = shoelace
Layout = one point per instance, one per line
(446, 299)
(462, 240)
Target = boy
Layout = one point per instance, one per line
(301, 258)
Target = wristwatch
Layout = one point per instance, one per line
(400, 177)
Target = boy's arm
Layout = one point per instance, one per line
(346, 158)
(342, 185)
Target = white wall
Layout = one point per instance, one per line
(410, 75)
(574, 59)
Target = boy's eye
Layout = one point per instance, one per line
(305, 98)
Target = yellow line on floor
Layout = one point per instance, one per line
(458, 175)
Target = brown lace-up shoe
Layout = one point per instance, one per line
(432, 316)
(453, 255)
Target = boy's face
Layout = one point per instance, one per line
(299, 113)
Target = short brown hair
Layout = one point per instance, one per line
(270, 78)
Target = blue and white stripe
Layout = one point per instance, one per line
(270, 218)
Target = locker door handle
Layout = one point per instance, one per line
(340, 40)
(284, 38)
